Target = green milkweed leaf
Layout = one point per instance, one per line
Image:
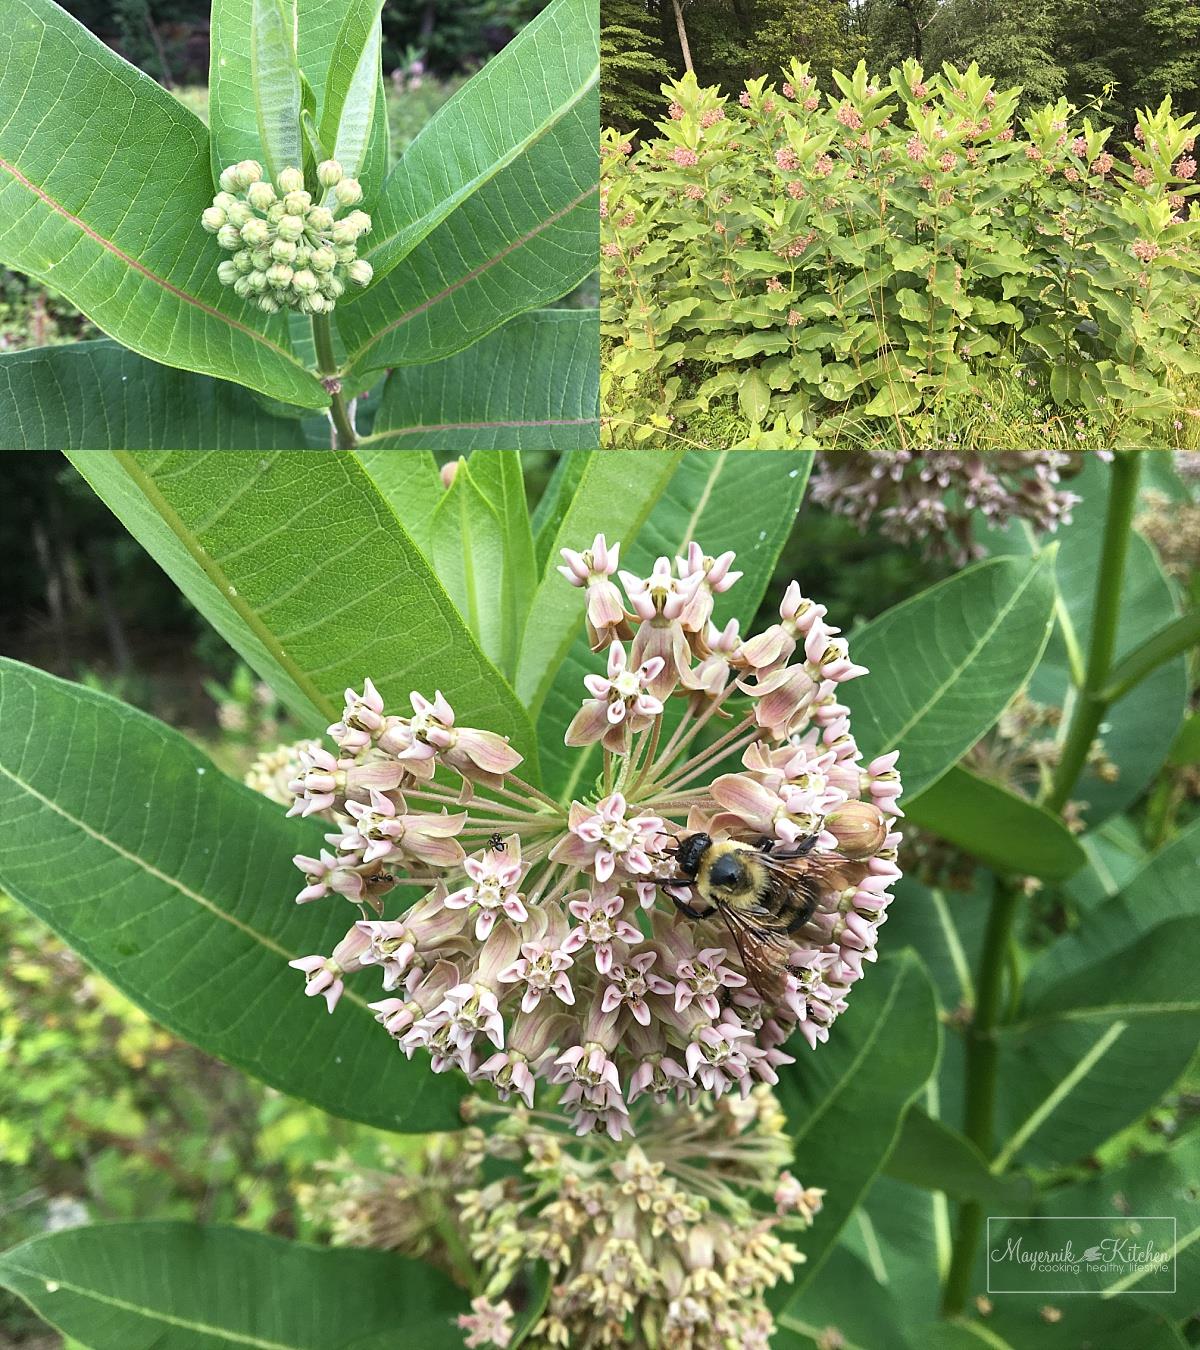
(84, 207)
(180, 1286)
(176, 883)
(348, 109)
(100, 396)
(531, 385)
(275, 77)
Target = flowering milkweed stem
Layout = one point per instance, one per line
(1092, 702)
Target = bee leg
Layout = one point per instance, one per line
(799, 850)
(805, 912)
(691, 912)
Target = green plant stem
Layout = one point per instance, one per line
(347, 437)
(981, 1081)
(1092, 701)
(1090, 706)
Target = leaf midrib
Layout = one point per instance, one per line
(109, 246)
(212, 569)
(144, 865)
(448, 204)
(151, 1314)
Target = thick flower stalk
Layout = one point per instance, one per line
(289, 251)
(931, 497)
(666, 1243)
(559, 943)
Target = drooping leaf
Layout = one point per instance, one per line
(100, 396)
(180, 1286)
(177, 883)
(845, 1099)
(531, 385)
(275, 78)
(348, 108)
(103, 179)
(298, 561)
(411, 487)
(945, 664)
(997, 826)
(524, 101)
(703, 502)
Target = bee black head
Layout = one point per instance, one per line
(690, 851)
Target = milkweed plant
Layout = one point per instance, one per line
(605, 794)
(272, 279)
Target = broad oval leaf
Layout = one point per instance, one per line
(100, 396)
(301, 565)
(945, 664)
(181, 1286)
(531, 385)
(411, 486)
(699, 503)
(103, 178)
(177, 884)
(275, 79)
(348, 109)
(845, 1100)
(999, 827)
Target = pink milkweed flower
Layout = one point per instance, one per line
(542, 968)
(593, 569)
(323, 975)
(621, 704)
(630, 982)
(488, 1323)
(604, 841)
(703, 978)
(600, 924)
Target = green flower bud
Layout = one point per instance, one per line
(290, 227)
(249, 171)
(279, 275)
(239, 213)
(297, 203)
(303, 256)
(261, 196)
(323, 259)
(304, 282)
(304, 305)
(329, 173)
(268, 304)
(332, 286)
(276, 213)
(212, 219)
(224, 200)
(320, 218)
(282, 250)
(291, 180)
(243, 261)
(227, 271)
(261, 258)
(230, 237)
(229, 179)
(348, 192)
(344, 253)
(258, 281)
(256, 233)
(319, 304)
(343, 235)
(359, 221)
(242, 286)
(360, 271)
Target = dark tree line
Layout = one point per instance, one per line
(1127, 52)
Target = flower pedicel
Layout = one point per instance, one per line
(547, 946)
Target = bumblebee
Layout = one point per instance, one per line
(764, 892)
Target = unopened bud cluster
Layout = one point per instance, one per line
(289, 251)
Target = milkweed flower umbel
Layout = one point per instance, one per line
(289, 250)
(552, 943)
(671, 1240)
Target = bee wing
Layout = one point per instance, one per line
(764, 948)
